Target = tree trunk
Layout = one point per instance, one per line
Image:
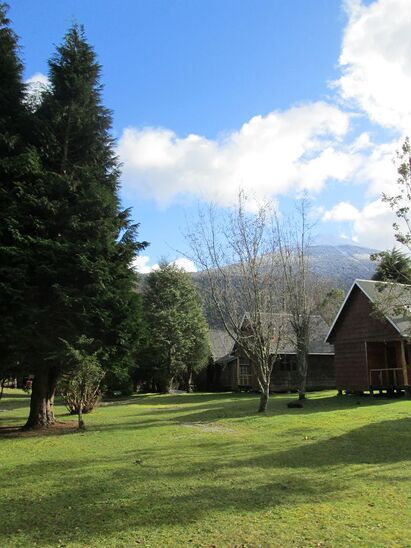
(265, 394)
(189, 379)
(39, 415)
(302, 364)
(3, 382)
(170, 385)
(52, 385)
(81, 425)
(42, 399)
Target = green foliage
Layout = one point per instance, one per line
(83, 243)
(80, 387)
(176, 335)
(65, 244)
(18, 167)
(393, 266)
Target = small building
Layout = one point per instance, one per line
(231, 370)
(372, 349)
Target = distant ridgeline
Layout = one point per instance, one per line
(338, 264)
(342, 264)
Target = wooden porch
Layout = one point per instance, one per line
(388, 365)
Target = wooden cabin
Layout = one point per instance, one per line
(219, 375)
(231, 370)
(371, 335)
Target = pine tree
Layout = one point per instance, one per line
(18, 166)
(83, 244)
(178, 337)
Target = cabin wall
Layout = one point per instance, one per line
(217, 377)
(354, 327)
(229, 379)
(321, 372)
(320, 375)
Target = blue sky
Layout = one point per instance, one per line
(274, 96)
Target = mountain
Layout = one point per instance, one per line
(342, 264)
(339, 264)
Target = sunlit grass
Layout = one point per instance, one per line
(205, 469)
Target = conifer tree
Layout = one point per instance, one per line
(83, 243)
(18, 166)
(177, 345)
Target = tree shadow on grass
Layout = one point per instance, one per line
(206, 407)
(12, 401)
(81, 508)
(180, 411)
(90, 499)
(377, 443)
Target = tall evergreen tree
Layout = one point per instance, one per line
(177, 343)
(82, 243)
(18, 166)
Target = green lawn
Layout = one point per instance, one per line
(206, 470)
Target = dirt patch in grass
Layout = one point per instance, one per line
(57, 429)
(208, 427)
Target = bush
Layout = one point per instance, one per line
(80, 389)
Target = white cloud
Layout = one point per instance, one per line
(343, 211)
(302, 147)
(141, 264)
(299, 148)
(270, 155)
(185, 264)
(371, 225)
(376, 61)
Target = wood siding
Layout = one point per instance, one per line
(354, 327)
(320, 376)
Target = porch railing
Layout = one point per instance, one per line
(389, 377)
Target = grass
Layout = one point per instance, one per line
(206, 470)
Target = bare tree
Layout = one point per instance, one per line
(238, 254)
(400, 203)
(302, 289)
(394, 298)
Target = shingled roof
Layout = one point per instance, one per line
(221, 343)
(394, 301)
(318, 332)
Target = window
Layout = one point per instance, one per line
(244, 372)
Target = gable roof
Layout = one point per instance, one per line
(318, 332)
(398, 313)
(221, 343)
(317, 343)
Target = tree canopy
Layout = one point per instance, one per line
(19, 166)
(393, 266)
(65, 243)
(177, 345)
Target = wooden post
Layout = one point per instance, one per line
(367, 368)
(404, 364)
